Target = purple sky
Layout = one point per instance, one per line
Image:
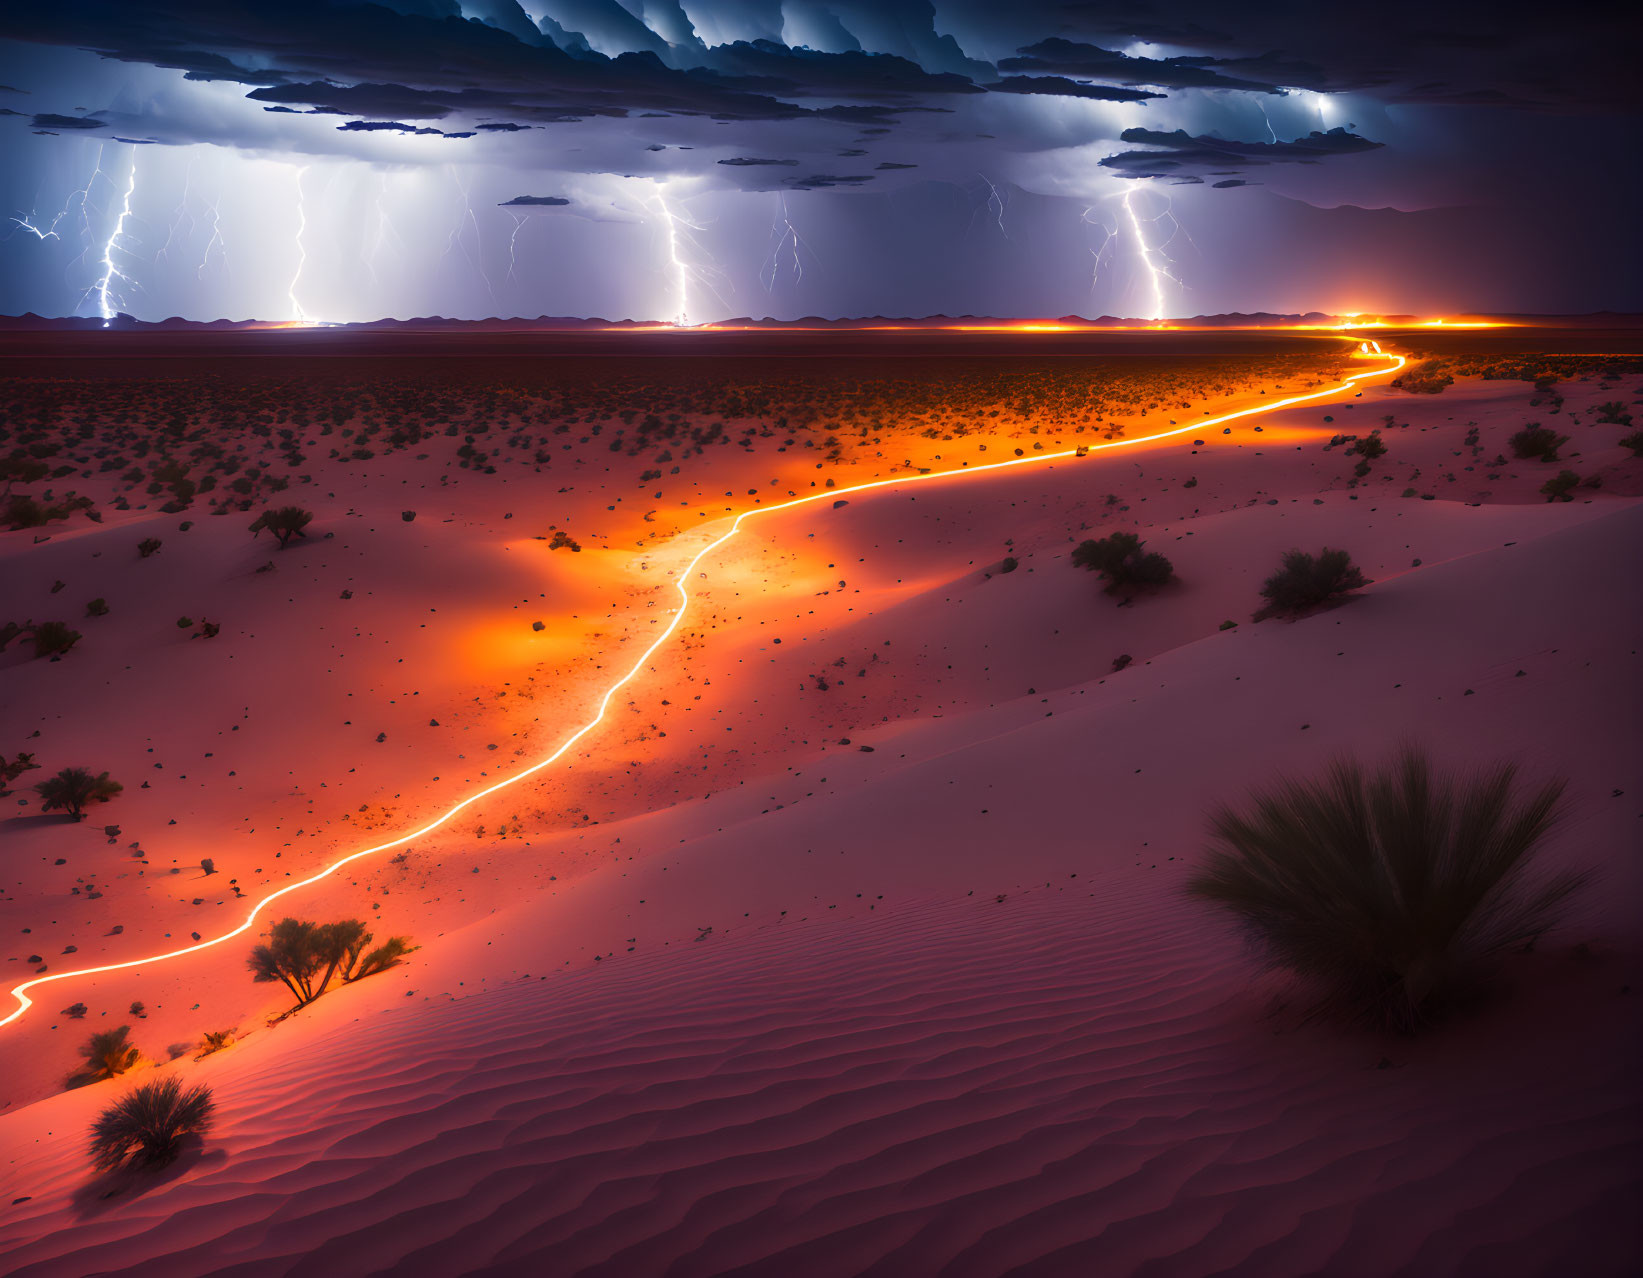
(329, 159)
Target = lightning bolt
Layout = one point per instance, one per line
(457, 239)
(50, 233)
(994, 198)
(678, 227)
(519, 220)
(1154, 261)
(786, 256)
(1271, 132)
(181, 212)
(216, 240)
(297, 313)
(111, 246)
(1110, 235)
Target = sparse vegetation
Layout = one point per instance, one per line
(1634, 441)
(73, 790)
(285, 522)
(1429, 377)
(1388, 891)
(1613, 412)
(213, 1041)
(1305, 582)
(1534, 441)
(108, 1054)
(1119, 558)
(1561, 486)
(146, 1126)
(147, 547)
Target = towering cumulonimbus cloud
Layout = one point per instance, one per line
(858, 126)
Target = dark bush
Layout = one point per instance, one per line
(147, 546)
(74, 790)
(108, 1054)
(1561, 486)
(53, 638)
(1614, 413)
(1305, 582)
(1535, 441)
(146, 1126)
(1634, 441)
(1388, 891)
(285, 522)
(1126, 567)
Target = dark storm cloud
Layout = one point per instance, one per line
(774, 68)
(821, 181)
(534, 202)
(503, 126)
(385, 126)
(753, 162)
(1061, 87)
(1180, 154)
(1070, 57)
(887, 165)
(50, 120)
(1222, 185)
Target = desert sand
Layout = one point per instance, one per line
(854, 940)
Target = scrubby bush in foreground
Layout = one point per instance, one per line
(1126, 567)
(1305, 582)
(146, 1126)
(1561, 487)
(74, 790)
(1388, 891)
(285, 522)
(1535, 441)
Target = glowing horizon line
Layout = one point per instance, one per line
(20, 992)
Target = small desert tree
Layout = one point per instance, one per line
(145, 1127)
(1120, 559)
(1388, 891)
(1304, 582)
(108, 1054)
(305, 955)
(74, 790)
(285, 522)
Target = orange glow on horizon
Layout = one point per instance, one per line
(1363, 351)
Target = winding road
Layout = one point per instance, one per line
(1366, 349)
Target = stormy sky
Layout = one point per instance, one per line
(697, 160)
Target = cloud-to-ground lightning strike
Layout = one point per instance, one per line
(519, 220)
(1153, 259)
(297, 313)
(214, 209)
(677, 228)
(457, 239)
(20, 991)
(112, 245)
(786, 254)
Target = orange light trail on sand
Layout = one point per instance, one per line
(1366, 350)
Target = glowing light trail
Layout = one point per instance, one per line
(20, 992)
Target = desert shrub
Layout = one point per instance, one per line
(1634, 441)
(1304, 582)
(147, 546)
(1388, 891)
(1614, 412)
(74, 790)
(285, 522)
(1120, 559)
(214, 1041)
(208, 865)
(97, 608)
(11, 769)
(1370, 446)
(108, 1053)
(1535, 441)
(145, 1127)
(53, 638)
(1561, 486)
